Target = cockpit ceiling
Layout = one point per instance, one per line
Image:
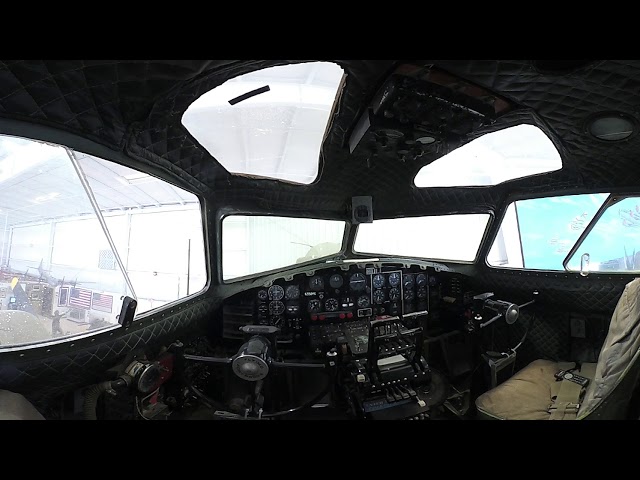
(137, 106)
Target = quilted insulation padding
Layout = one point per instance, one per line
(566, 101)
(47, 372)
(341, 174)
(95, 98)
(568, 292)
(138, 105)
(548, 337)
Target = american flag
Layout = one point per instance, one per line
(102, 302)
(80, 297)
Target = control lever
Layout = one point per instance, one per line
(510, 311)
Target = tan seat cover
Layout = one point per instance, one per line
(528, 394)
(524, 396)
(14, 406)
(619, 350)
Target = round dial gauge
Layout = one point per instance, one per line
(378, 280)
(277, 321)
(262, 295)
(409, 295)
(316, 283)
(263, 309)
(336, 281)
(394, 294)
(394, 279)
(421, 280)
(378, 296)
(422, 292)
(433, 281)
(313, 306)
(408, 281)
(357, 282)
(363, 301)
(276, 307)
(331, 305)
(276, 292)
(292, 292)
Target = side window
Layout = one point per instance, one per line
(613, 244)
(538, 233)
(70, 250)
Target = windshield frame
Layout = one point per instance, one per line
(228, 211)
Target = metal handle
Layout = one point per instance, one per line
(584, 264)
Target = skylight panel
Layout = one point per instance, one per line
(269, 123)
(493, 158)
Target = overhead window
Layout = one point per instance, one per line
(71, 250)
(268, 123)
(257, 243)
(538, 233)
(444, 237)
(493, 158)
(613, 244)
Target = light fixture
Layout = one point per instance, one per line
(611, 126)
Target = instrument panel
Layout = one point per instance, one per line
(336, 295)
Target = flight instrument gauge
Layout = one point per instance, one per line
(316, 283)
(408, 281)
(336, 281)
(422, 292)
(363, 301)
(262, 295)
(357, 282)
(409, 295)
(421, 280)
(378, 281)
(313, 306)
(378, 296)
(394, 279)
(276, 292)
(292, 292)
(276, 308)
(394, 294)
(331, 305)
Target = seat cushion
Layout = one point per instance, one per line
(14, 406)
(524, 396)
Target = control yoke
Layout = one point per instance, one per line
(501, 308)
(256, 356)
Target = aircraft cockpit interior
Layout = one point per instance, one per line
(270, 240)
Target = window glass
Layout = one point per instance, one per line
(493, 158)
(613, 245)
(445, 237)
(51, 286)
(156, 227)
(254, 244)
(538, 233)
(276, 133)
(65, 264)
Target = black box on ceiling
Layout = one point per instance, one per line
(418, 110)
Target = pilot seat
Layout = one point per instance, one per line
(546, 390)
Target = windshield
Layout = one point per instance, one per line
(254, 243)
(445, 237)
